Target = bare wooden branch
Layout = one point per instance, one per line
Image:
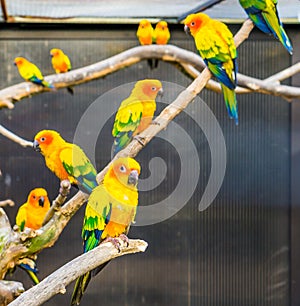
(64, 190)
(10, 135)
(50, 286)
(168, 53)
(284, 74)
(7, 202)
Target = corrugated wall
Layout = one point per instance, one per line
(236, 252)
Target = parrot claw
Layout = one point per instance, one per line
(125, 239)
(115, 242)
(140, 139)
(153, 122)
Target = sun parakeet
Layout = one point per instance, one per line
(66, 160)
(30, 72)
(110, 210)
(145, 36)
(135, 113)
(265, 16)
(161, 36)
(214, 42)
(32, 214)
(61, 63)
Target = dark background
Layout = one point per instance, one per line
(239, 251)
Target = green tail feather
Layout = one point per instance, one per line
(231, 103)
(79, 288)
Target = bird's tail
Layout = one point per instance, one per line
(276, 27)
(79, 288)
(120, 142)
(46, 84)
(82, 283)
(31, 271)
(231, 103)
(70, 90)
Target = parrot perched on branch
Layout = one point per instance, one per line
(145, 36)
(32, 214)
(215, 44)
(66, 160)
(161, 36)
(110, 210)
(61, 63)
(264, 15)
(30, 72)
(135, 113)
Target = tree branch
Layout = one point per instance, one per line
(132, 56)
(7, 202)
(10, 135)
(49, 287)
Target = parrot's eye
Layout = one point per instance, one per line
(42, 139)
(123, 169)
(34, 197)
(193, 23)
(153, 88)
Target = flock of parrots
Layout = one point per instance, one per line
(111, 206)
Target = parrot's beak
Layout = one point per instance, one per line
(133, 178)
(36, 146)
(160, 92)
(187, 30)
(41, 201)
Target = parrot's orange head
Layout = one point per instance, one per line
(162, 25)
(38, 197)
(55, 52)
(126, 171)
(149, 88)
(46, 140)
(194, 22)
(19, 61)
(144, 23)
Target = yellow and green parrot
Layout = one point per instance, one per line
(30, 72)
(145, 36)
(110, 210)
(66, 160)
(264, 15)
(61, 63)
(215, 44)
(161, 36)
(31, 215)
(135, 113)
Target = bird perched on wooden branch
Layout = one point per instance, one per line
(110, 210)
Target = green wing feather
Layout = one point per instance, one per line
(96, 217)
(127, 121)
(79, 166)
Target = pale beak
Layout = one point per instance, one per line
(36, 146)
(187, 30)
(133, 178)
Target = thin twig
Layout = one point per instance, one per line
(10, 135)
(64, 190)
(7, 202)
